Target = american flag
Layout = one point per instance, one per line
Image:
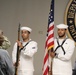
(49, 39)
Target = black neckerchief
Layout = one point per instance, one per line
(60, 45)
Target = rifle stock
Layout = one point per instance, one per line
(18, 53)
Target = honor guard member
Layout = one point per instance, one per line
(63, 51)
(6, 43)
(28, 49)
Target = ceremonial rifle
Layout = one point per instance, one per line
(18, 53)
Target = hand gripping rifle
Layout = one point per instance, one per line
(18, 53)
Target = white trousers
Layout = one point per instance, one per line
(25, 72)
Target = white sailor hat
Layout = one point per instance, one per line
(62, 26)
(26, 28)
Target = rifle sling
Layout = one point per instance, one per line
(25, 45)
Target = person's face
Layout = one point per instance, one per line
(61, 32)
(1, 33)
(25, 34)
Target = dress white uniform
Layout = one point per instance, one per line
(62, 63)
(26, 66)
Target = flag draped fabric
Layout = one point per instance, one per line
(49, 39)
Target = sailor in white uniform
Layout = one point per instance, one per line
(63, 51)
(26, 66)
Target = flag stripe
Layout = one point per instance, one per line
(50, 36)
(46, 71)
(50, 45)
(50, 40)
(52, 27)
(45, 59)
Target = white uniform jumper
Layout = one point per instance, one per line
(26, 58)
(62, 63)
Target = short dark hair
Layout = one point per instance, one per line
(28, 32)
(1, 40)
